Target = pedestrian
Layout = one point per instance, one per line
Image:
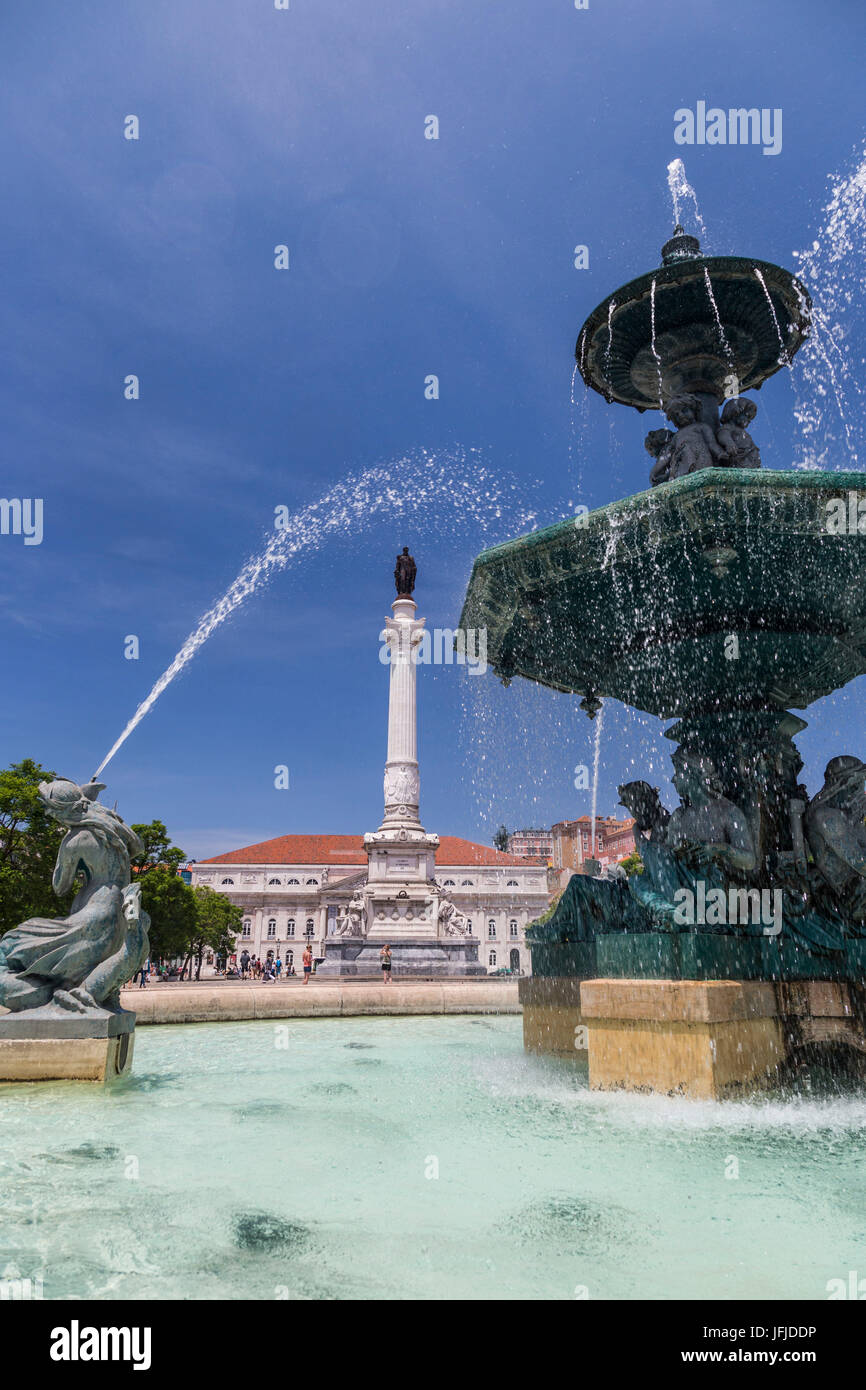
(308, 963)
(278, 967)
(385, 957)
(142, 977)
(245, 964)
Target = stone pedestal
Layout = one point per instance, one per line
(700, 1038)
(418, 956)
(41, 1045)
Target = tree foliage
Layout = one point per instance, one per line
(29, 841)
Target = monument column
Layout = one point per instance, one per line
(403, 635)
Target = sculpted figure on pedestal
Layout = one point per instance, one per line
(355, 920)
(836, 833)
(78, 962)
(708, 827)
(741, 451)
(651, 817)
(405, 572)
(694, 446)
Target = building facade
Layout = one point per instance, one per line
(294, 889)
(573, 844)
(532, 844)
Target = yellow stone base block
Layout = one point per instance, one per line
(705, 1039)
(65, 1059)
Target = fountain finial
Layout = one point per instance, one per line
(681, 247)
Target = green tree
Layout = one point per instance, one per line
(159, 852)
(633, 864)
(500, 839)
(170, 903)
(29, 841)
(217, 923)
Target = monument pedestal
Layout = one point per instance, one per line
(418, 956)
(41, 1045)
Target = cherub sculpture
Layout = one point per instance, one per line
(741, 451)
(657, 443)
(694, 446)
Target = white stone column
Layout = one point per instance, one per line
(402, 781)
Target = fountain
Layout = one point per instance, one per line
(721, 598)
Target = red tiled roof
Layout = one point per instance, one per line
(349, 849)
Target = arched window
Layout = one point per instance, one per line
(310, 927)
(513, 883)
(290, 957)
(227, 883)
(491, 959)
(314, 882)
(290, 927)
(467, 883)
(273, 883)
(449, 883)
(512, 927)
(272, 929)
(491, 927)
(247, 931)
(293, 880)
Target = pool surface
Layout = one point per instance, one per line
(416, 1158)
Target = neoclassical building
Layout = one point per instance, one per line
(297, 887)
(445, 905)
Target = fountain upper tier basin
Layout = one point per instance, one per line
(690, 326)
(637, 600)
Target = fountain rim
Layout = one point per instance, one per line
(726, 267)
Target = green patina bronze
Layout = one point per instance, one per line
(723, 598)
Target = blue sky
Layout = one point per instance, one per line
(261, 388)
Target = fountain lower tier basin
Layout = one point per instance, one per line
(305, 1170)
(728, 589)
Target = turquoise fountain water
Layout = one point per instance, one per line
(230, 1167)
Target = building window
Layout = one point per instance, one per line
(449, 883)
(228, 883)
(290, 927)
(290, 957)
(491, 959)
(272, 929)
(273, 883)
(247, 932)
(512, 927)
(469, 925)
(491, 927)
(293, 880)
(467, 883)
(312, 882)
(513, 883)
(310, 927)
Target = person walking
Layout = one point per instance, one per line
(308, 963)
(142, 977)
(278, 967)
(385, 958)
(245, 964)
